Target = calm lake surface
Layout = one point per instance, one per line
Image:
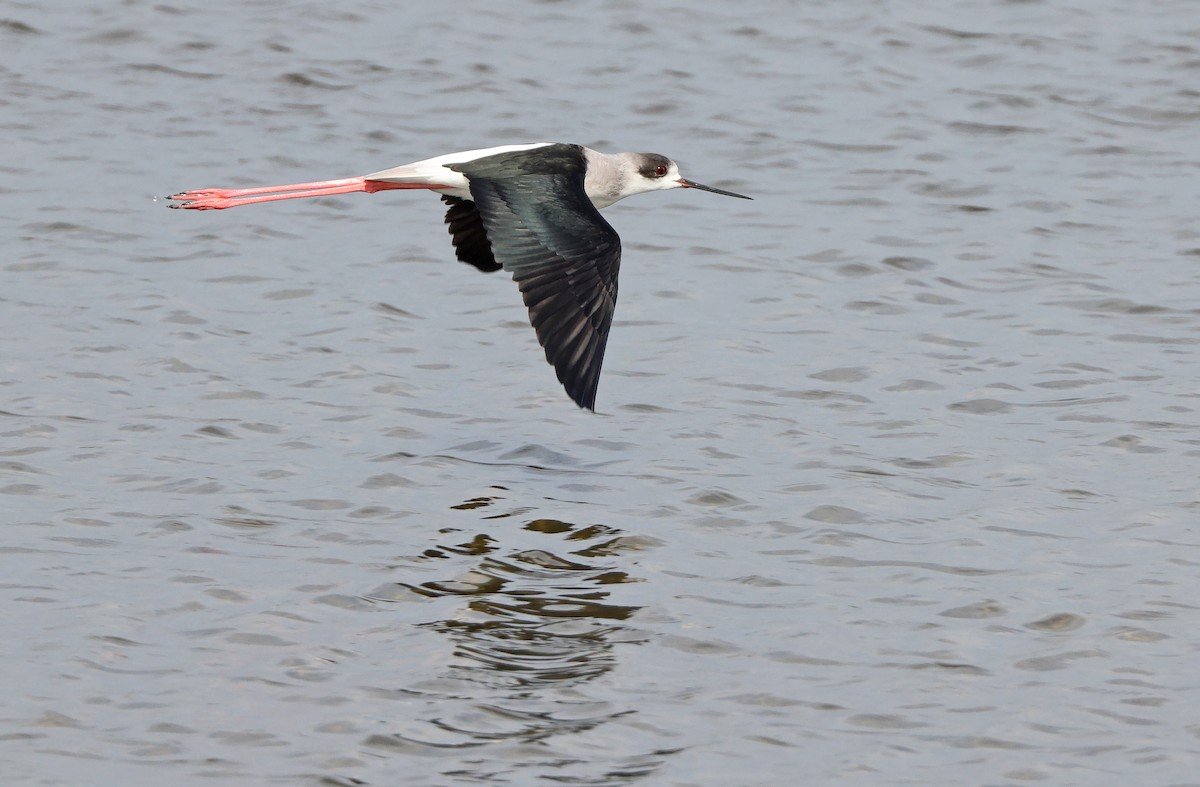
(895, 475)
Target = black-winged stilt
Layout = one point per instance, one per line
(533, 211)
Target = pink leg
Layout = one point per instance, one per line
(219, 199)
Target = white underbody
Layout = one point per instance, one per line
(433, 171)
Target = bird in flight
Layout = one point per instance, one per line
(532, 210)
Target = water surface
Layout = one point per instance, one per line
(894, 475)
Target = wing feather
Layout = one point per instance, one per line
(564, 256)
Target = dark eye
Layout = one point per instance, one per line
(660, 170)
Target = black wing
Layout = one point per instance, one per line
(561, 252)
(471, 243)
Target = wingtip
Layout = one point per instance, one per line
(582, 400)
(583, 397)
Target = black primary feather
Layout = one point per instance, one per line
(471, 243)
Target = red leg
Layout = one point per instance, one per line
(219, 199)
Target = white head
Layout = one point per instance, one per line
(654, 172)
(614, 177)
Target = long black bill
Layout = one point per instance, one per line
(690, 184)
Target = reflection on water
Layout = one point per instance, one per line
(543, 616)
(534, 626)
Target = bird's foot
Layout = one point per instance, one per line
(203, 199)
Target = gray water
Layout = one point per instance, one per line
(894, 476)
